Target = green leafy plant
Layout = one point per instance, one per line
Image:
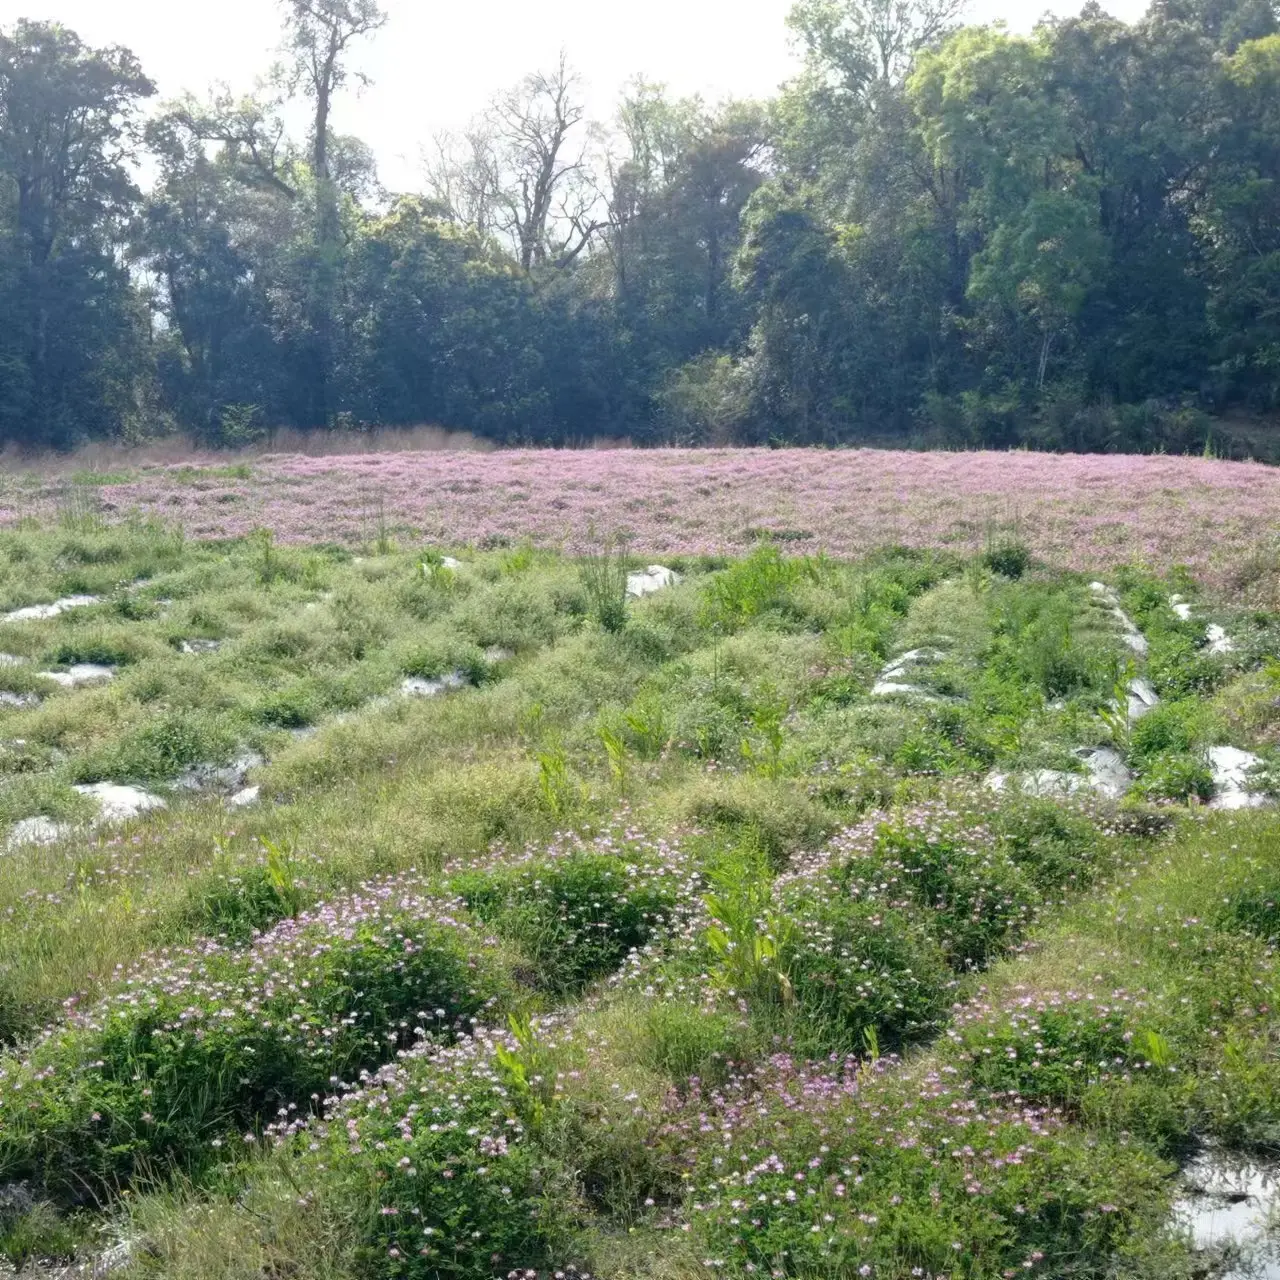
(1115, 714)
(648, 725)
(553, 781)
(615, 747)
(767, 719)
(750, 940)
(526, 1073)
(268, 558)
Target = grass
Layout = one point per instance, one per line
(655, 946)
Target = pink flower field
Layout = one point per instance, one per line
(1084, 511)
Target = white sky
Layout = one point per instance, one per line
(436, 63)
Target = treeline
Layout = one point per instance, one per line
(936, 233)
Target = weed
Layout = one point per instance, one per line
(604, 579)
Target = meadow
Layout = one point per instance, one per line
(1089, 512)
(394, 885)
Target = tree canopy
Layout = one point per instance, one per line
(937, 233)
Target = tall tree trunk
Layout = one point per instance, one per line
(328, 251)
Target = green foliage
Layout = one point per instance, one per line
(859, 970)
(977, 898)
(160, 749)
(750, 942)
(244, 901)
(604, 579)
(1008, 557)
(575, 918)
(33, 1232)
(458, 1197)
(223, 1043)
(760, 584)
(615, 749)
(648, 988)
(1054, 1055)
(1173, 726)
(1176, 775)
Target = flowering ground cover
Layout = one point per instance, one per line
(1088, 512)
(814, 916)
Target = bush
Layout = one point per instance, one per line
(1176, 775)
(604, 582)
(1055, 846)
(160, 749)
(1254, 906)
(1179, 668)
(214, 1042)
(433, 1172)
(103, 648)
(1049, 1050)
(775, 818)
(577, 917)
(1010, 558)
(1175, 727)
(858, 970)
(842, 1170)
(236, 905)
(292, 708)
(749, 588)
(950, 864)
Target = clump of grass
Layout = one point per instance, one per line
(604, 579)
(761, 583)
(1007, 555)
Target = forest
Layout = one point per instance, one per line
(937, 234)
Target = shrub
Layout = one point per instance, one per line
(103, 648)
(1176, 775)
(684, 1041)
(843, 1170)
(1170, 727)
(432, 1170)
(1008, 557)
(577, 917)
(1049, 1049)
(235, 905)
(604, 581)
(859, 970)
(1054, 844)
(1180, 669)
(952, 866)
(293, 708)
(32, 1231)
(1254, 906)
(210, 1042)
(773, 817)
(749, 588)
(434, 658)
(160, 749)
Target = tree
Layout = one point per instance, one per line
(521, 171)
(860, 43)
(256, 150)
(318, 38)
(319, 35)
(68, 132)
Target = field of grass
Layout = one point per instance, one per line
(787, 921)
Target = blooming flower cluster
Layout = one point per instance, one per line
(1088, 511)
(845, 1169)
(442, 1135)
(579, 908)
(199, 1042)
